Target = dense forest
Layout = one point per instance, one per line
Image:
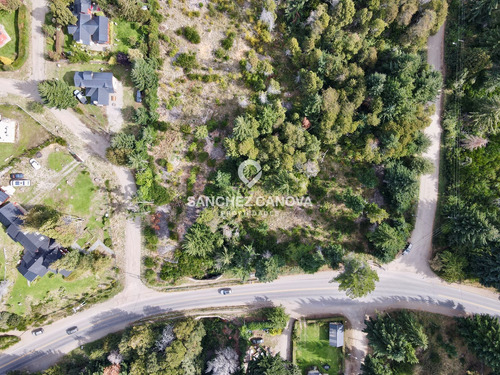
(468, 234)
(340, 95)
(409, 342)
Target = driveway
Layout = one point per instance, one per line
(114, 110)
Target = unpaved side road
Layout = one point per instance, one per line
(417, 261)
(39, 10)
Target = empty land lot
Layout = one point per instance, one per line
(30, 134)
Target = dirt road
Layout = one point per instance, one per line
(418, 259)
(39, 10)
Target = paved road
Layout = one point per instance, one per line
(302, 295)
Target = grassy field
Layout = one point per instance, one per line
(125, 33)
(312, 349)
(30, 133)
(74, 198)
(51, 289)
(58, 160)
(8, 20)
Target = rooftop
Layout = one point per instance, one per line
(89, 29)
(98, 86)
(336, 334)
(39, 251)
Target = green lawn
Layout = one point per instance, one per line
(42, 287)
(125, 32)
(8, 20)
(312, 349)
(30, 133)
(58, 160)
(75, 198)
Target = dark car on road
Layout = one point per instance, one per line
(225, 291)
(16, 176)
(37, 332)
(257, 340)
(72, 330)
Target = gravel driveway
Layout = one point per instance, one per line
(114, 109)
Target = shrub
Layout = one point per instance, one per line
(186, 129)
(227, 43)
(35, 107)
(187, 61)
(79, 56)
(150, 238)
(8, 340)
(161, 195)
(150, 275)
(149, 262)
(191, 34)
(108, 242)
(221, 53)
(202, 157)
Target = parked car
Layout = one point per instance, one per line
(408, 248)
(20, 183)
(225, 291)
(37, 332)
(16, 176)
(138, 96)
(257, 340)
(80, 96)
(72, 330)
(35, 164)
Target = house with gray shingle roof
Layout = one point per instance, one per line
(98, 86)
(39, 251)
(89, 28)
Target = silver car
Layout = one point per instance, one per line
(408, 248)
(37, 332)
(80, 96)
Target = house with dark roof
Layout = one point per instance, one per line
(39, 251)
(3, 197)
(98, 86)
(336, 334)
(82, 6)
(89, 28)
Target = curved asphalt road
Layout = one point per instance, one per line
(302, 295)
